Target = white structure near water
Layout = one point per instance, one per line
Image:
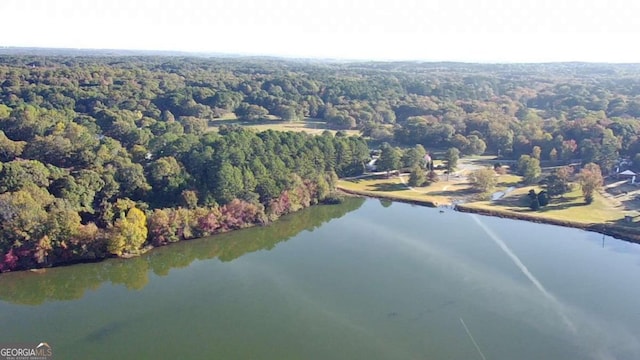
(628, 174)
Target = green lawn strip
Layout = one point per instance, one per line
(440, 193)
(571, 207)
(394, 189)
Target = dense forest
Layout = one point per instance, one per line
(104, 155)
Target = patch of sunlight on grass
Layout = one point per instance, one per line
(508, 180)
(315, 127)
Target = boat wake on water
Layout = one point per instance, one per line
(472, 339)
(523, 268)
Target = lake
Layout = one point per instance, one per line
(367, 279)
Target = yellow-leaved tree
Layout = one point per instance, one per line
(128, 233)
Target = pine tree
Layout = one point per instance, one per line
(417, 176)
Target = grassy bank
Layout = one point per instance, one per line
(443, 192)
(617, 229)
(395, 188)
(388, 197)
(603, 215)
(571, 207)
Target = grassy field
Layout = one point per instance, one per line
(227, 116)
(442, 192)
(439, 193)
(606, 214)
(309, 126)
(569, 208)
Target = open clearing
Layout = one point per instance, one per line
(448, 190)
(310, 126)
(570, 207)
(610, 206)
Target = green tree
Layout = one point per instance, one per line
(23, 216)
(193, 125)
(451, 157)
(414, 156)
(19, 173)
(287, 113)
(534, 203)
(251, 112)
(166, 174)
(543, 199)
(249, 180)
(589, 150)
(190, 199)
(131, 178)
(536, 152)
(476, 145)
(390, 158)
(228, 184)
(417, 176)
(10, 149)
(461, 142)
(63, 222)
(608, 156)
(529, 168)
(5, 111)
(558, 182)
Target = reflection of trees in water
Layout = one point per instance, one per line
(71, 282)
(132, 273)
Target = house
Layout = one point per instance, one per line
(629, 175)
(428, 162)
(371, 165)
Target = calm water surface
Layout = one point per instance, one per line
(362, 280)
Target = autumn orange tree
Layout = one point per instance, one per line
(483, 180)
(590, 180)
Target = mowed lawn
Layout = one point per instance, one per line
(394, 187)
(442, 192)
(571, 207)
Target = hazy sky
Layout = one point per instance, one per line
(457, 30)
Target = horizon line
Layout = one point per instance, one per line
(211, 54)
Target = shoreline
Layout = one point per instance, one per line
(372, 194)
(616, 231)
(150, 247)
(126, 256)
